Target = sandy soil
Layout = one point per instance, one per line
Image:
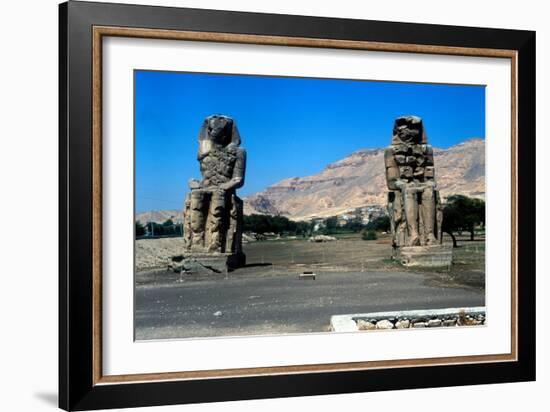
(347, 254)
(156, 253)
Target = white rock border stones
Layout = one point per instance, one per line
(423, 318)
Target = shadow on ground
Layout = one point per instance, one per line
(49, 398)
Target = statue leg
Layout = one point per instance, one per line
(410, 201)
(395, 211)
(216, 223)
(237, 223)
(231, 226)
(390, 209)
(428, 215)
(439, 217)
(187, 222)
(400, 221)
(198, 218)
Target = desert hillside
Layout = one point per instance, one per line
(358, 180)
(160, 216)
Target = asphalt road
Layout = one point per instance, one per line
(170, 306)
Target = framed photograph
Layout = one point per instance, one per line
(256, 205)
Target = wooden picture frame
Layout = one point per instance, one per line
(82, 385)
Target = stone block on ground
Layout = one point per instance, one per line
(211, 263)
(384, 324)
(365, 325)
(425, 256)
(403, 324)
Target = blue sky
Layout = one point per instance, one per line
(289, 126)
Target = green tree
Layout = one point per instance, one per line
(140, 229)
(331, 224)
(354, 225)
(380, 224)
(266, 223)
(304, 228)
(154, 229)
(462, 213)
(276, 224)
(169, 228)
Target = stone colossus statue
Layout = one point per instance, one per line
(414, 205)
(213, 214)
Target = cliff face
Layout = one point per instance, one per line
(359, 180)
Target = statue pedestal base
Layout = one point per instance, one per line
(424, 256)
(212, 263)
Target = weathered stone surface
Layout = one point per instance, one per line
(420, 318)
(322, 238)
(425, 256)
(210, 263)
(213, 214)
(403, 324)
(384, 324)
(365, 325)
(434, 323)
(414, 204)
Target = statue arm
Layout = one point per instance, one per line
(204, 149)
(205, 146)
(237, 180)
(392, 170)
(429, 173)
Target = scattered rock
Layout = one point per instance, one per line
(434, 323)
(419, 320)
(462, 318)
(468, 321)
(403, 324)
(384, 324)
(249, 237)
(322, 238)
(365, 325)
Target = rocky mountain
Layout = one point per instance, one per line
(358, 180)
(160, 216)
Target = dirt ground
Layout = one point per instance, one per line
(267, 296)
(347, 254)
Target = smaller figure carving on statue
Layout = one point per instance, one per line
(213, 214)
(414, 205)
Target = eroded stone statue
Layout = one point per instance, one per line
(414, 204)
(213, 214)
